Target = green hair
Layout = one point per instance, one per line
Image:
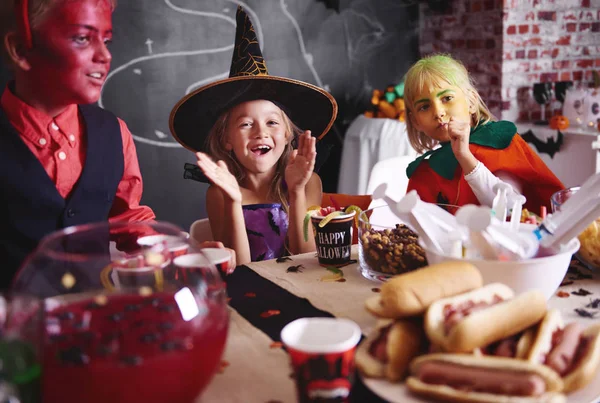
(440, 70)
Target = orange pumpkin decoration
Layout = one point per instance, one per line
(559, 122)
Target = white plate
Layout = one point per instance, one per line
(398, 393)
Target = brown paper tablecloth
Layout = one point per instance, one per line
(254, 370)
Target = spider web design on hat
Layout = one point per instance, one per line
(247, 57)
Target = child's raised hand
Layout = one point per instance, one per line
(302, 162)
(220, 176)
(459, 132)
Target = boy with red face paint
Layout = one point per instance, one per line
(63, 162)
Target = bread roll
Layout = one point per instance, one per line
(410, 294)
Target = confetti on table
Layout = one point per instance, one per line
(565, 283)
(581, 292)
(269, 313)
(250, 294)
(562, 294)
(595, 304)
(585, 314)
(224, 364)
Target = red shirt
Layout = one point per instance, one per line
(59, 145)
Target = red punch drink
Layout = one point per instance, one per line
(131, 348)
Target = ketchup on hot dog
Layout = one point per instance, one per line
(455, 313)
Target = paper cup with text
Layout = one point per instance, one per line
(322, 356)
(334, 239)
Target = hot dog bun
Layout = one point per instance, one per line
(404, 341)
(587, 367)
(487, 325)
(587, 361)
(525, 342)
(542, 343)
(499, 365)
(411, 293)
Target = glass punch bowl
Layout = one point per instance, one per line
(124, 322)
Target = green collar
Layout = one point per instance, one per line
(442, 160)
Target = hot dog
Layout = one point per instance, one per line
(411, 293)
(466, 378)
(515, 346)
(388, 350)
(478, 318)
(569, 349)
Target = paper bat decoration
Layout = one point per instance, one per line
(333, 4)
(549, 146)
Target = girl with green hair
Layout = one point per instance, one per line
(466, 152)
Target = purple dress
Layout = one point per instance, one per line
(266, 226)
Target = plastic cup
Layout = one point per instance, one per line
(322, 357)
(219, 257)
(176, 245)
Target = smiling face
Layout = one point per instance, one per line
(434, 106)
(70, 59)
(257, 135)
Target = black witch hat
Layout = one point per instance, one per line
(308, 106)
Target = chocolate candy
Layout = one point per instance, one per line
(392, 251)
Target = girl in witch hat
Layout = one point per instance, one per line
(250, 124)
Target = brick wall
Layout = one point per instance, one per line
(510, 44)
(471, 31)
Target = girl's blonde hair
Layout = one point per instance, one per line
(215, 146)
(440, 69)
(37, 11)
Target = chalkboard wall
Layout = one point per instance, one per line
(163, 49)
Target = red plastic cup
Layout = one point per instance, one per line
(219, 257)
(176, 245)
(322, 357)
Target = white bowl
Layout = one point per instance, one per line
(544, 273)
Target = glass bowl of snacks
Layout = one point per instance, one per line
(589, 251)
(124, 321)
(386, 246)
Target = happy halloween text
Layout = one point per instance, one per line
(332, 245)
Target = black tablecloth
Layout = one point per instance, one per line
(274, 298)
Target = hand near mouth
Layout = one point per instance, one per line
(459, 132)
(220, 176)
(302, 162)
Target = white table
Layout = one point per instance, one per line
(368, 141)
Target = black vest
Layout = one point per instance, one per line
(30, 205)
